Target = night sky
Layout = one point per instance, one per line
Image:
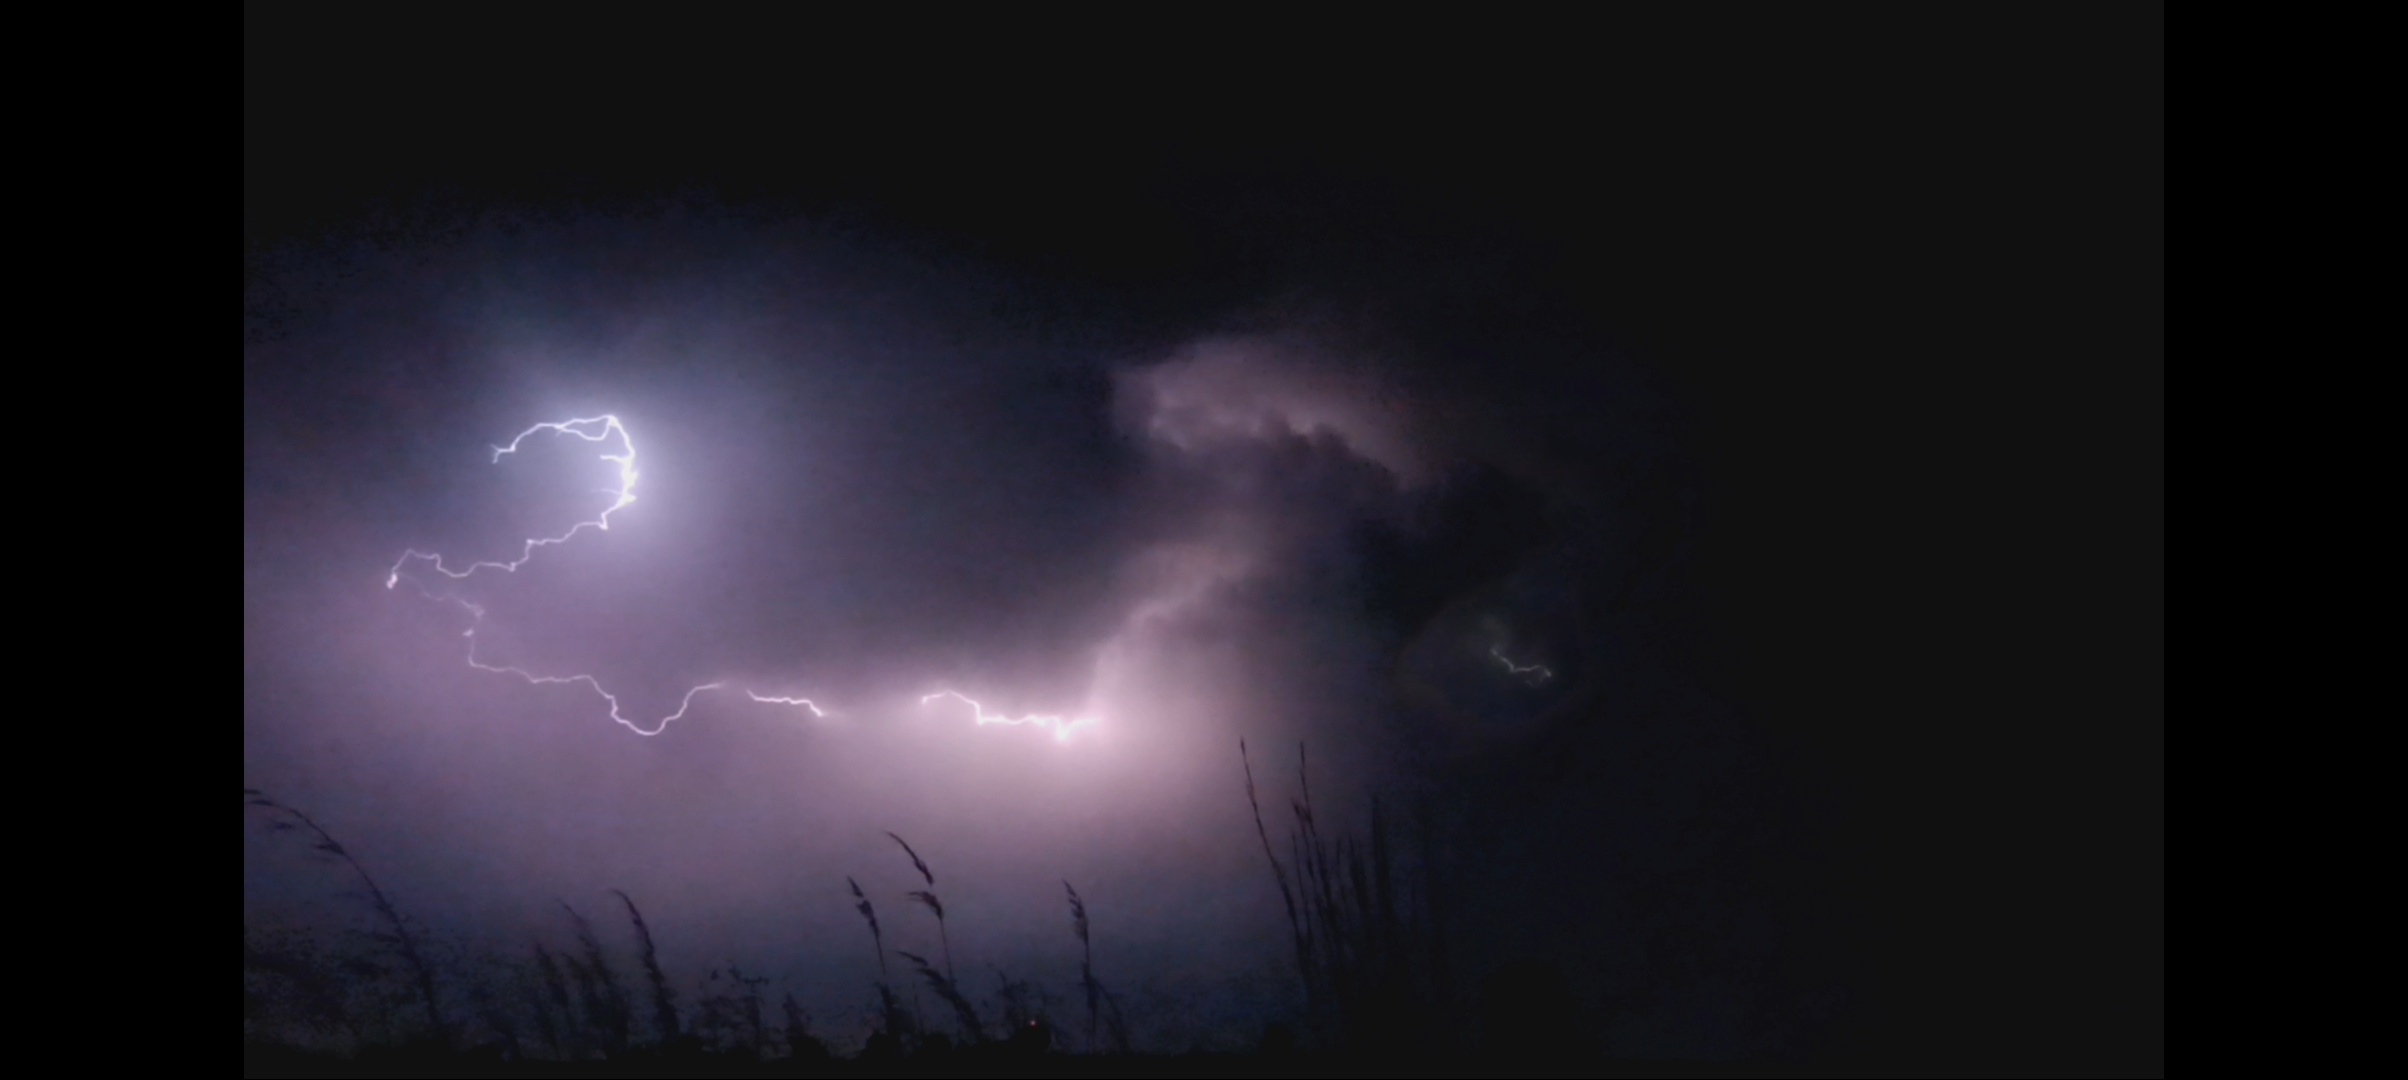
(1704, 480)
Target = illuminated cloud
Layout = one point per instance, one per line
(1250, 389)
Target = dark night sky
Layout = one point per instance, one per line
(1792, 384)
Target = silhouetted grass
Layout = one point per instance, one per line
(730, 1019)
(572, 1006)
(285, 818)
(927, 898)
(554, 1013)
(890, 1014)
(1366, 952)
(1087, 983)
(664, 1000)
(1372, 970)
(950, 994)
(598, 989)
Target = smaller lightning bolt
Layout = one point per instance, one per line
(1533, 673)
(581, 428)
(804, 702)
(477, 615)
(588, 681)
(1060, 726)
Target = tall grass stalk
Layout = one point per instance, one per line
(927, 898)
(1366, 959)
(1087, 983)
(604, 1001)
(664, 1000)
(286, 817)
(890, 1014)
(1300, 931)
(951, 995)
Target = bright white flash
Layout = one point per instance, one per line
(1534, 674)
(1060, 726)
(604, 428)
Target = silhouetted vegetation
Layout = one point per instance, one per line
(285, 818)
(1373, 972)
(1368, 952)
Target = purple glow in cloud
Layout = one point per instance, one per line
(1239, 390)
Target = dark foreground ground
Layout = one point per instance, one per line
(273, 1061)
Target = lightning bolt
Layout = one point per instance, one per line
(601, 522)
(477, 619)
(804, 702)
(1533, 673)
(603, 429)
(1060, 726)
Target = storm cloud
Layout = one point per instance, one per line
(863, 481)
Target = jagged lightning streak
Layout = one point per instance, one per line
(477, 620)
(579, 428)
(601, 429)
(1534, 674)
(592, 429)
(804, 702)
(1060, 726)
